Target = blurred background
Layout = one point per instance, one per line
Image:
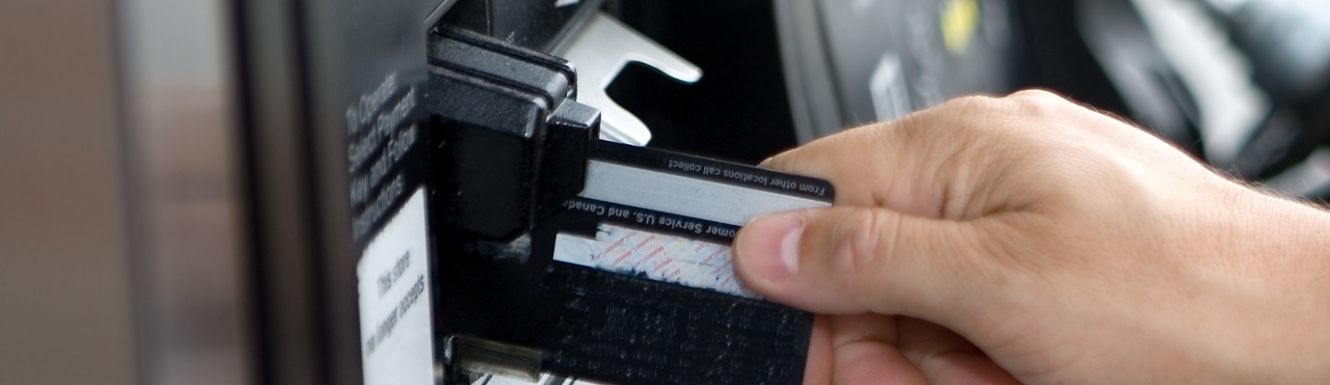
(1238, 84)
(129, 176)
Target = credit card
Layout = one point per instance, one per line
(657, 227)
(671, 217)
(632, 282)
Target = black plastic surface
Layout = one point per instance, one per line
(537, 25)
(508, 140)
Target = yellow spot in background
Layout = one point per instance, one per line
(959, 21)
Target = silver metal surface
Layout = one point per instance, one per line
(599, 52)
(475, 355)
(188, 252)
(681, 195)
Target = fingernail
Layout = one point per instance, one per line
(771, 245)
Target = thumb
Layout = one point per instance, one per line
(850, 260)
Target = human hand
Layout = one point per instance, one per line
(1029, 239)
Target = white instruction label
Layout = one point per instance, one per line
(396, 332)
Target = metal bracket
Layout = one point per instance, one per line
(599, 52)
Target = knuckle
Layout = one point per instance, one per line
(1036, 95)
(974, 104)
(1038, 103)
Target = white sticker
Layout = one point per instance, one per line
(656, 256)
(397, 338)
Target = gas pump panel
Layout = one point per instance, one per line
(426, 192)
(558, 254)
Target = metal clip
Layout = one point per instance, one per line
(599, 52)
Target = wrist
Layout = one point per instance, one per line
(1311, 296)
(1284, 283)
